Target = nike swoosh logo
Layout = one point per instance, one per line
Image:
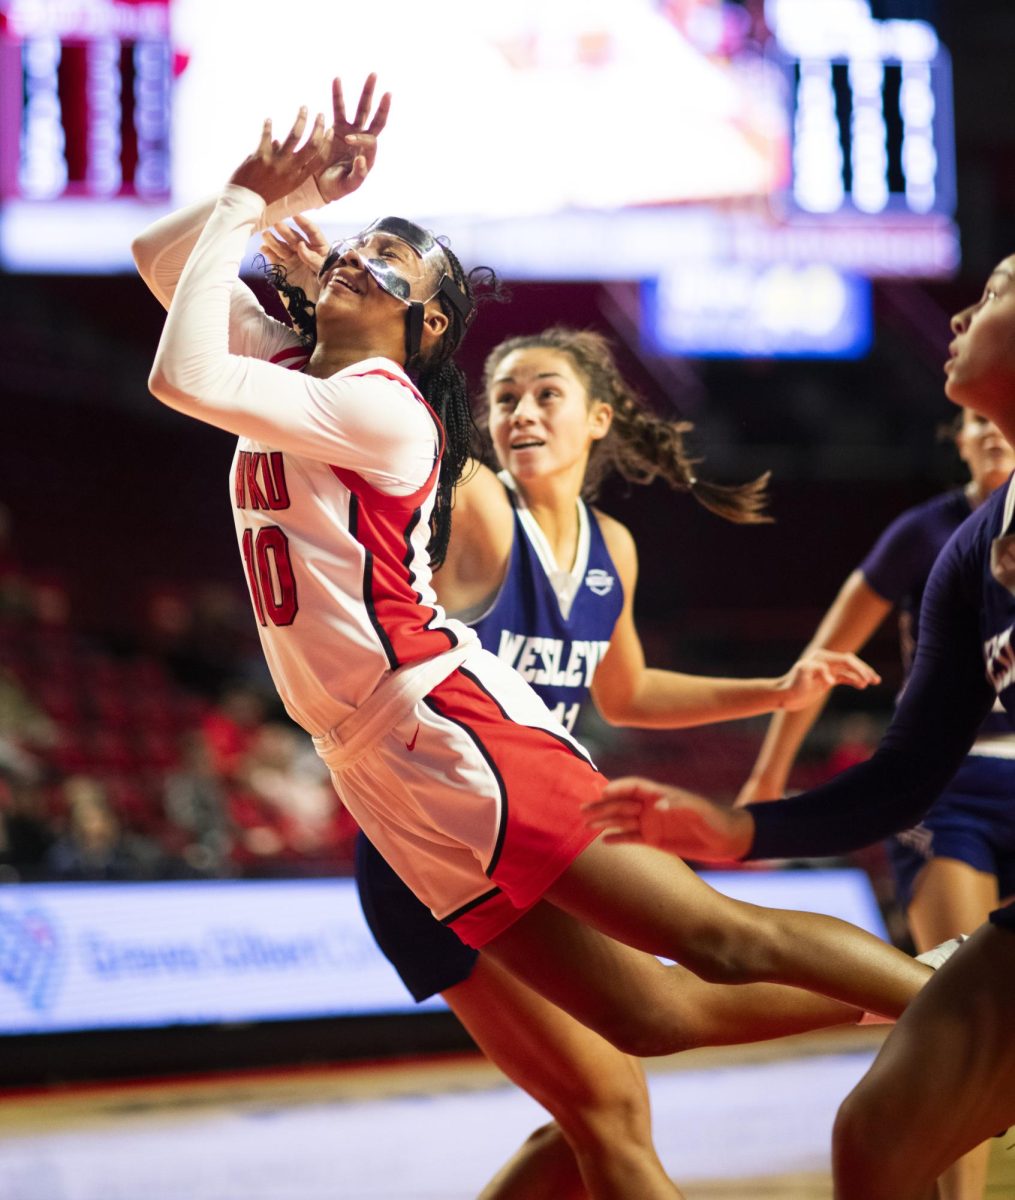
(411, 745)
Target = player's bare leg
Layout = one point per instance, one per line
(602, 1145)
(950, 898)
(943, 1082)
(646, 899)
(543, 1167)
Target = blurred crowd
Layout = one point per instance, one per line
(165, 756)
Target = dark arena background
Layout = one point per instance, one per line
(771, 209)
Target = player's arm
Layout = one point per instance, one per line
(350, 421)
(855, 614)
(161, 250)
(628, 692)
(937, 720)
(300, 245)
(357, 422)
(482, 529)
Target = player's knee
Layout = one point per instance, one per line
(614, 1105)
(859, 1149)
(545, 1139)
(610, 1123)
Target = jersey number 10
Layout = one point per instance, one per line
(270, 575)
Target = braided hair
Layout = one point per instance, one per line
(442, 383)
(640, 446)
(298, 304)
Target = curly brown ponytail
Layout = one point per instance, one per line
(640, 446)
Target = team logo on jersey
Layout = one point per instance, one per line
(919, 838)
(1002, 561)
(999, 655)
(600, 581)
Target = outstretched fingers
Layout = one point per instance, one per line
(337, 102)
(381, 115)
(366, 101)
(362, 122)
(840, 667)
(276, 249)
(277, 168)
(265, 144)
(348, 157)
(313, 234)
(293, 137)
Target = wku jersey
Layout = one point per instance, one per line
(554, 626)
(338, 571)
(332, 484)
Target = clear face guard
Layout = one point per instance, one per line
(399, 255)
(404, 260)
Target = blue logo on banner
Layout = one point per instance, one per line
(29, 956)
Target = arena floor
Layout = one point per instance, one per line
(730, 1124)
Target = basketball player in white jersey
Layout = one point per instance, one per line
(341, 488)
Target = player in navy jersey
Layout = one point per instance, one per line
(945, 1078)
(341, 488)
(952, 869)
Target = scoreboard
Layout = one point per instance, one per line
(84, 100)
(819, 136)
(873, 134)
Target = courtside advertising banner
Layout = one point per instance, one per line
(88, 956)
(91, 956)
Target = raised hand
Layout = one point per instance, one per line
(301, 248)
(656, 814)
(353, 147)
(277, 168)
(816, 672)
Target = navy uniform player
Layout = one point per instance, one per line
(953, 868)
(945, 1078)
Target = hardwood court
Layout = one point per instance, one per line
(731, 1124)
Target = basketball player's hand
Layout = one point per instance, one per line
(301, 248)
(816, 672)
(670, 818)
(353, 146)
(277, 168)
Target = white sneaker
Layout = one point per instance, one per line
(933, 958)
(939, 955)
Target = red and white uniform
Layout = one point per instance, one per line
(434, 745)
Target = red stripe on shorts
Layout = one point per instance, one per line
(543, 782)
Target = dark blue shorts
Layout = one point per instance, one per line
(973, 821)
(428, 956)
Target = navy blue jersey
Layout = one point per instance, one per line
(901, 559)
(553, 626)
(900, 562)
(964, 661)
